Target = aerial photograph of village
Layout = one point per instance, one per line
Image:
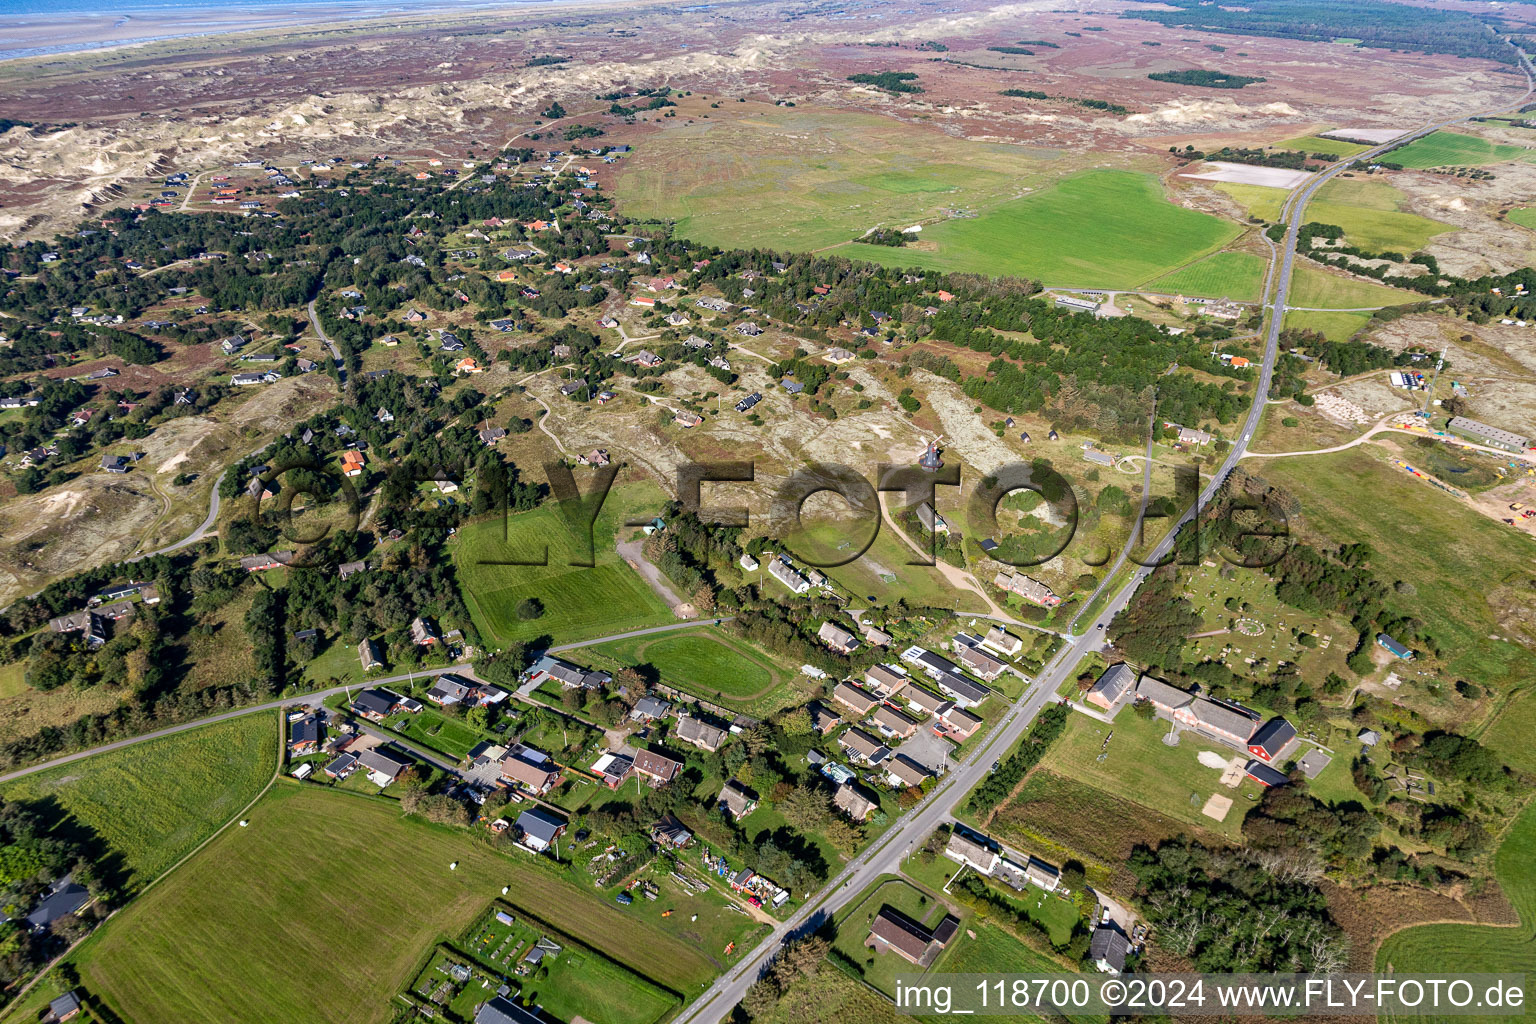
(747, 511)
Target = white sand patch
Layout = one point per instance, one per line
(1374, 135)
(1217, 807)
(1248, 174)
(1211, 759)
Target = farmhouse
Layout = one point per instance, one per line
(1108, 948)
(698, 733)
(1038, 872)
(931, 520)
(967, 848)
(422, 634)
(837, 638)
(854, 699)
(657, 769)
(894, 931)
(271, 560)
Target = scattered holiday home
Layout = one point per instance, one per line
(643, 301)
(490, 435)
(1028, 588)
(853, 802)
(645, 357)
(685, 418)
(676, 319)
(539, 829)
(596, 457)
(572, 387)
(467, 365)
(657, 769)
(352, 463)
(532, 769)
(860, 702)
(837, 638)
(838, 356)
(698, 733)
(270, 560)
(781, 571)
(736, 800)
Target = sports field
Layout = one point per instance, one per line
(1230, 275)
(805, 179)
(704, 660)
(1453, 149)
(152, 803)
(1462, 948)
(321, 907)
(1099, 228)
(578, 602)
(1369, 213)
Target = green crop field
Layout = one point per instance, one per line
(1463, 948)
(152, 803)
(1260, 201)
(1222, 275)
(1369, 213)
(1454, 558)
(1313, 287)
(1453, 149)
(578, 602)
(802, 179)
(703, 660)
(1100, 228)
(1318, 144)
(320, 909)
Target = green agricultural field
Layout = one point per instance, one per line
(1100, 228)
(1222, 275)
(1369, 213)
(320, 909)
(1334, 326)
(1260, 201)
(152, 803)
(1456, 560)
(1463, 948)
(802, 179)
(578, 602)
(1525, 216)
(1453, 149)
(1140, 767)
(1318, 144)
(705, 660)
(1313, 287)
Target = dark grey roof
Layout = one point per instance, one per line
(539, 825)
(1110, 945)
(503, 1011)
(1273, 736)
(377, 701)
(960, 686)
(63, 899)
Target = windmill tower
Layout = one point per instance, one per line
(930, 460)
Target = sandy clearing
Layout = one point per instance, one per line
(1248, 174)
(1217, 807)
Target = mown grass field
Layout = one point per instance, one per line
(1230, 275)
(578, 602)
(1461, 948)
(1453, 149)
(1315, 288)
(1318, 144)
(1525, 216)
(1334, 326)
(1369, 213)
(754, 175)
(320, 909)
(1453, 557)
(1099, 228)
(1140, 767)
(1261, 201)
(152, 803)
(704, 660)
(437, 731)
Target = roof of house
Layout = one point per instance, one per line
(1109, 945)
(900, 932)
(1263, 773)
(1113, 683)
(963, 846)
(736, 798)
(960, 686)
(660, 766)
(539, 824)
(834, 635)
(854, 697)
(907, 770)
(524, 764)
(503, 1011)
(1215, 715)
(652, 707)
(378, 701)
(885, 677)
(1161, 693)
(978, 661)
(1273, 736)
(382, 761)
(893, 720)
(64, 898)
(698, 732)
(925, 700)
(861, 742)
(853, 802)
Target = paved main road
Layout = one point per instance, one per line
(885, 855)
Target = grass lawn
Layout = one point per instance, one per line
(1140, 767)
(13, 679)
(705, 660)
(1461, 948)
(1334, 326)
(578, 602)
(1370, 214)
(321, 908)
(436, 731)
(1230, 275)
(1099, 228)
(1313, 287)
(150, 804)
(1453, 149)
(883, 572)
